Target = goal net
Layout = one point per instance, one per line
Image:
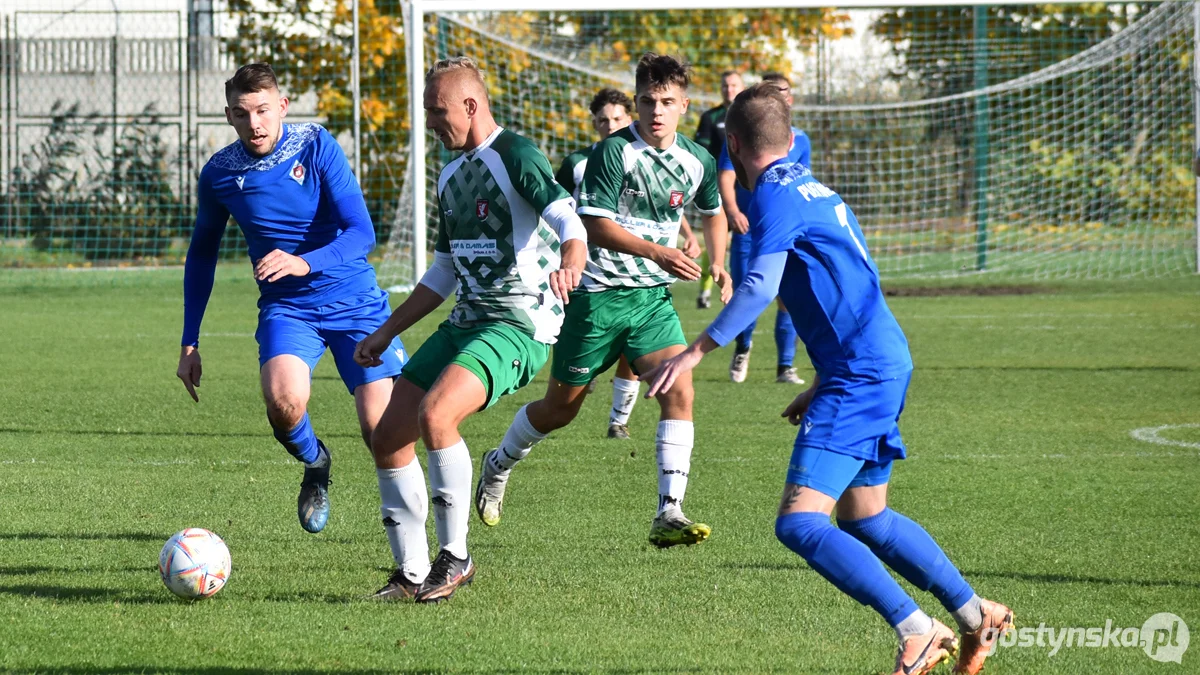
(1023, 141)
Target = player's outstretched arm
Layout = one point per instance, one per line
(435, 286)
(663, 376)
(754, 295)
(606, 233)
(199, 270)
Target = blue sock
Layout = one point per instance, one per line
(907, 548)
(846, 563)
(300, 441)
(785, 338)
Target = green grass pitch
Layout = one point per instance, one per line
(1022, 466)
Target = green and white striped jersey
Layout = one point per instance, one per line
(570, 174)
(491, 201)
(644, 190)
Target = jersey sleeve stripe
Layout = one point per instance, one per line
(596, 211)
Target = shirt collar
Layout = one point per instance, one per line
(487, 142)
(779, 162)
(674, 141)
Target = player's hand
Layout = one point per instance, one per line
(662, 376)
(570, 272)
(691, 247)
(675, 262)
(277, 265)
(370, 348)
(189, 369)
(723, 281)
(741, 224)
(797, 408)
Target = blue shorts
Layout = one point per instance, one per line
(830, 472)
(850, 436)
(338, 326)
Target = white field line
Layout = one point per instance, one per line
(1151, 435)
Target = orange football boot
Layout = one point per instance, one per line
(978, 644)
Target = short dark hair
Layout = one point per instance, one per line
(610, 96)
(730, 72)
(655, 71)
(760, 118)
(250, 78)
(776, 76)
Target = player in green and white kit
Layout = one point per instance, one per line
(610, 113)
(509, 242)
(636, 185)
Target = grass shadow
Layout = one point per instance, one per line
(227, 670)
(1075, 579)
(176, 433)
(30, 570)
(160, 537)
(87, 594)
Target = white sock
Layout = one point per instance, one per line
(405, 508)
(450, 484)
(625, 394)
(674, 449)
(917, 623)
(970, 616)
(518, 441)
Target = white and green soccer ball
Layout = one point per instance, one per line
(194, 564)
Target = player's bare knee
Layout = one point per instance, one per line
(677, 401)
(434, 416)
(563, 404)
(285, 412)
(382, 441)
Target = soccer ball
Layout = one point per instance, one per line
(194, 563)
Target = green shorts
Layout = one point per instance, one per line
(601, 326)
(501, 356)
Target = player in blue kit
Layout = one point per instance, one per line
(807, 248)
(290, 189)
(736, 200)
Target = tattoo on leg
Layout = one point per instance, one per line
(791, 493)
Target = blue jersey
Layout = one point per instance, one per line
(830, 285)
(301, 199)
(801, 151)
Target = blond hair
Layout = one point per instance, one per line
(455, 65)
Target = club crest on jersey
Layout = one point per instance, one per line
(297, 172)
(240, 180)
(676, 199)
(481, 208)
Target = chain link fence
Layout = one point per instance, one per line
(107, 117)
(108, 110)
